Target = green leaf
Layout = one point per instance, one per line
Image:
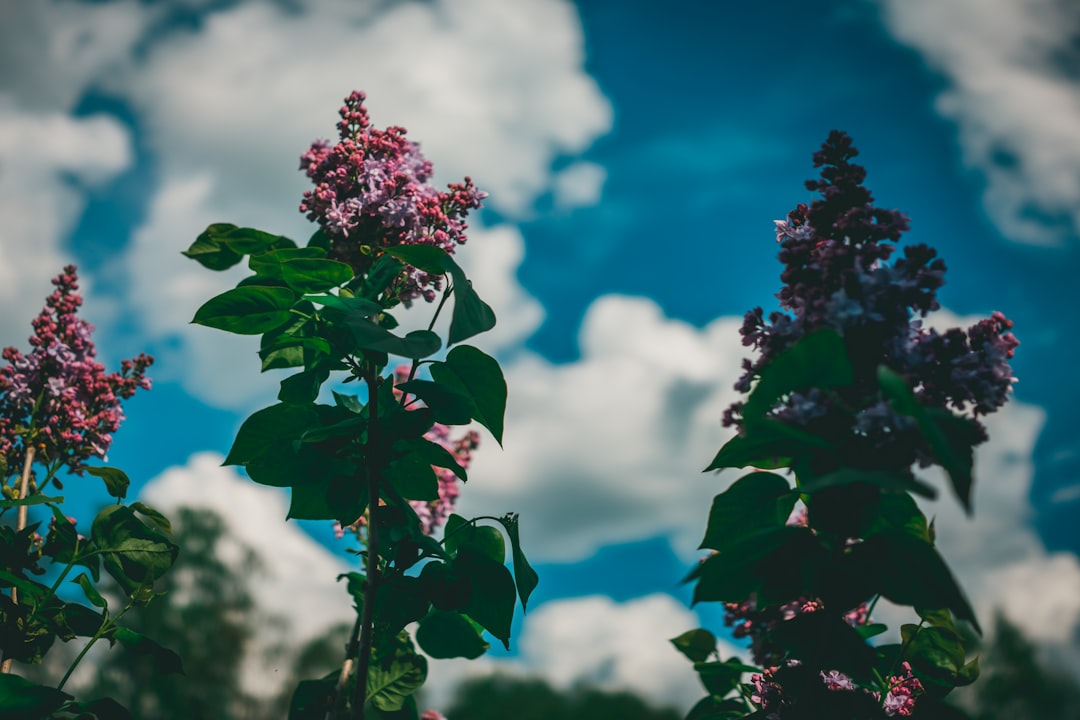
(271, 264)
(755, 502)
(493, 593)
(360, 307)
(761, 562)
(479, 377)
(20, 698)
(415, 345)
(247, 310)
(385, 270)
(697, 645)
(249, 241)
(90, 591)
(29, 591)
(884, 479)
(435, 454)
(449, 635)
(313, 699)
(819, 359)
(525, 577)
(393, 677)
(307, 275)
(488, 541)
(329, 496)
(472, 315)
(267, 430)
(165, 660)
(210, 249)
(103, 709)
(926, 580)
(951, 437)
(116, 481)
(154, 517)
(32, 500)
(413, 477)
(303, 387)
(720, 678)
(450, 405)
(427, 258)
(133, 554)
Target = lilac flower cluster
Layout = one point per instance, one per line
(58, 398)
(837, 274)
(371, 192)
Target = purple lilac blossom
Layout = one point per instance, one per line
(372, 192)
(58, 397)
(840, 273)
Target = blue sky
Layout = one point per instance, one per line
(636, 155)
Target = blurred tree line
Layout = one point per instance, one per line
(208, 616)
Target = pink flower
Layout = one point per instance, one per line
(59, 397)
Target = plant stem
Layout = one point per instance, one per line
(106, 625)
(351, 650)
(372, 573)
(20, 525)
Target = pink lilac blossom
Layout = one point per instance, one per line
(372, 192)
(767, 694)
(59, 397)
(839, 273)
(904, 689)
(432, 715)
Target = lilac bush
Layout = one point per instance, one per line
(850, 393)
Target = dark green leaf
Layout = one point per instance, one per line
(360, 307)
(415, 345)
(819, 359)
(382, 274)
(472, 315)
(247, 310)
(166, 661)
(116, 481)
(697, 645)
(313, 699)
(756, 502)
(303, 387)
(884, 479)
(90, 591)
(413, 477)
(133, 553)
(104, 709)
(329, 496)
(271, 264)
(488, 541)
(249, 241)
(525, 577)
(427, 258)
(493, 592)
(450, 405)
(435, 454)
(720, 678)
(449, 635)
(768, 563)
(926, 580)
(267, 430)
(307, 275)
(210, 249)
(479, 377)
(20, 698)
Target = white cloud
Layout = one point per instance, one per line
(1016, 106)
(489, 90)
(297, 581)
(579, 185)
(47, 159)
(595, 640)
(610, 448)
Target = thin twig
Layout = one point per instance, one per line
(20, 525)
(351, 649)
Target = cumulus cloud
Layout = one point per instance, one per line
(489, 90)
(579, 185)
(47, 161)
(1015, 101)
(610, 448)
(597, 641)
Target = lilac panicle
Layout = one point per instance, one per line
(59, 397)
(372, 192)
(841, 271)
